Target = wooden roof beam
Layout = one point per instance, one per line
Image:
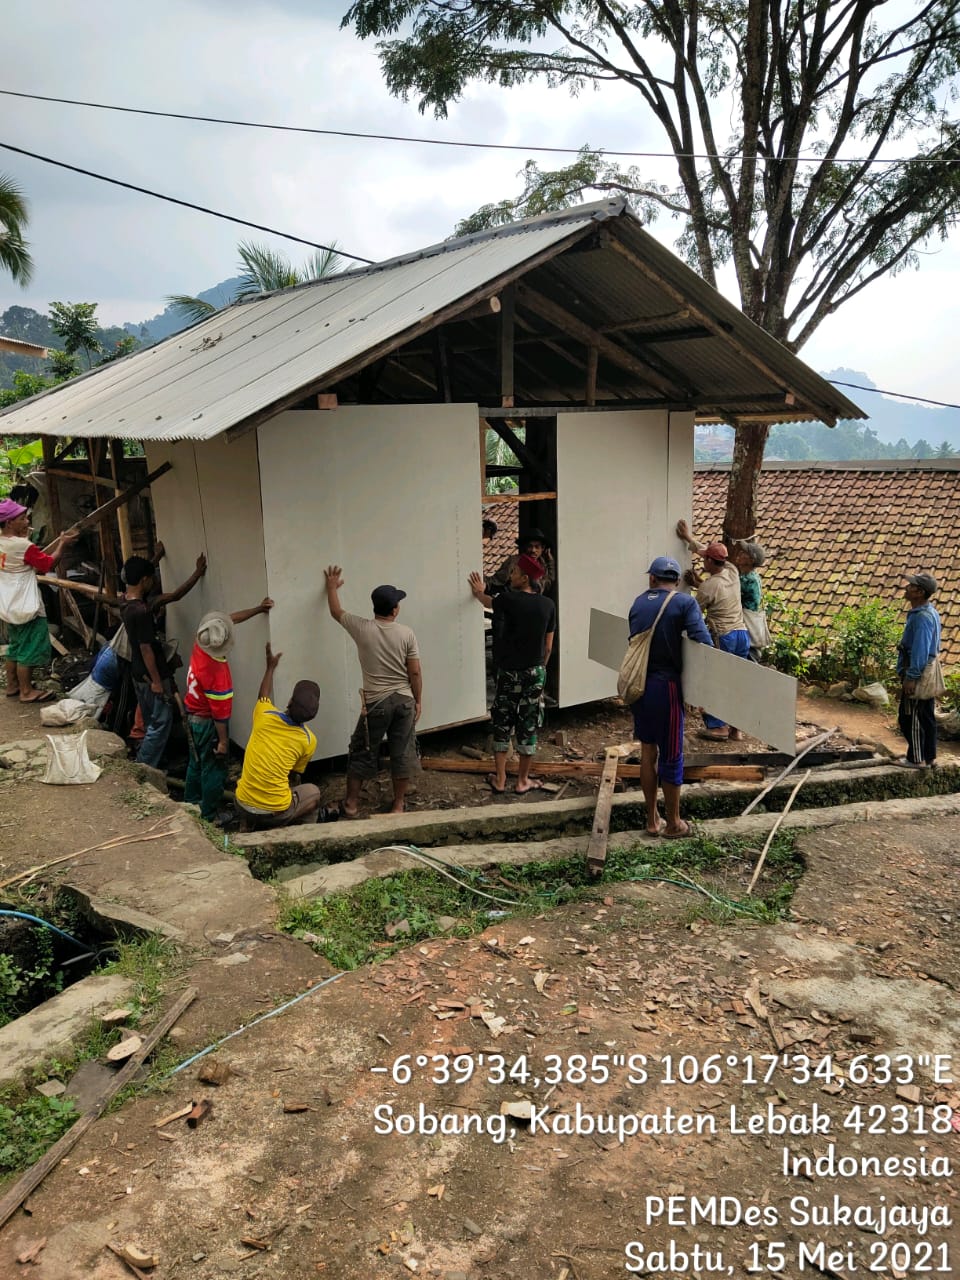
(554, 314)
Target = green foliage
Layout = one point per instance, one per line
(62, 365)
(862, 643)
(793, 637)
(22, 986)
(262, 270)
(351, 927)
(76, 324)
(29, 1128)
(748, 88)
(14, 251)
(951, 699)
(16, 461)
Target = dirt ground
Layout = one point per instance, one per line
(629, 1010)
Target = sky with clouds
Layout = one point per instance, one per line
(288, 61)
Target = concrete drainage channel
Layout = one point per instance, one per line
(315, 860)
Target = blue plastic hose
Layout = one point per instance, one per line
(22, 915)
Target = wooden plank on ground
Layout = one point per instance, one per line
(15, 1197)
(597, 848)
(774, 759)
(594, 769)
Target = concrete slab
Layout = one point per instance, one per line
(53, 1027)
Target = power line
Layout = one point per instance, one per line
(186, 204)
(940, 404)
(441, 142)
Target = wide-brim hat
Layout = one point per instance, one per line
(533, 535)
(215, 634)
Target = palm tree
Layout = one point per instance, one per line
(14, 253)
(262, 270)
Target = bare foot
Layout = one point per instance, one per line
(398, 808)
(531, 784)
(349, 813)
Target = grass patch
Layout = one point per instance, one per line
(351, 928)
(28, 1128)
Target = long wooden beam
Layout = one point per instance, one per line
(553, 313)
(594, 769)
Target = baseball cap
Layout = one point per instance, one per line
(215, 634)
(715, 551)
(385, 599)
(9, 510)
(925, 581)
(665, 567)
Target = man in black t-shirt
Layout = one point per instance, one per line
(150, 669)
(527, 622)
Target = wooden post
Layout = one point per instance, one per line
(123, 513)
(507, 329)
(592, 360)
(597, 848)
(441, 362)
(484, 426)
(108, 555)
(53, 491)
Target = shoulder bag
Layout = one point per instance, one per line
(632, 680)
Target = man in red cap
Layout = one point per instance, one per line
(529, 621)
(21, 607)
(718, 594)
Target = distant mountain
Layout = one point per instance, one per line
(893, 420)
(170, 321)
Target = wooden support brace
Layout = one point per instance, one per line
(15, 1197)
(101, 513)
(597, 848)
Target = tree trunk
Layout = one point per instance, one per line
(740, 520)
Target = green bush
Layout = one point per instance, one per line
(794, 639)
(862, 643)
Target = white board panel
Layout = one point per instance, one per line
(758, 700)
(391, 493)
(210, 502)
(613, 477)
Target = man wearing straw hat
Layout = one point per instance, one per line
(208, 702)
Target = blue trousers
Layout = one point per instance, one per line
(738, 643)
(157, 721)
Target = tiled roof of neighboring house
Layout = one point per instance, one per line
(836, 533)
(506, 516)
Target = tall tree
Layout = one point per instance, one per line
(76, 324)
(14, 251)
(262, 270)
(812, 140)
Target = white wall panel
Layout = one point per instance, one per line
(391, 493)
(210, 502)
(618, 475)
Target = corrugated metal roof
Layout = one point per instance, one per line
(21, 348)
(212, 376)
(257, 357)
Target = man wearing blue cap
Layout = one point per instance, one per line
(658, 713)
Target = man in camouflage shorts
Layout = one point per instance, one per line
(526, 641)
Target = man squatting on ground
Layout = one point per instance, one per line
(152, 674)
(658, 714)
(280, 746)
(919, 645)
(719, 597)
(21, 606)
(392, 691)
(208, 702)
(522, 650)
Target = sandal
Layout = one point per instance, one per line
(713, 735)
(46, 695)
(491, 781)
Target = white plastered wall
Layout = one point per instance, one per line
(623, 481)
(210, 502)
(391, 493)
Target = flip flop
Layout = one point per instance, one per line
(46, 696)
(491, 781)
(712, 735)
(684, 834)
(13, 693)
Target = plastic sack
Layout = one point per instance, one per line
(20, 597)
(95, 696)
(875, 694)
(68, 762)
(66, 711)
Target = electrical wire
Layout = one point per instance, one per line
(22, 915)
(696, 888)
(940, 404)
(247, 1025)
(185, 204)
(441, 142)
(436, 865)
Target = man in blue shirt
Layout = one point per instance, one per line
(919, 645)
(658, 714)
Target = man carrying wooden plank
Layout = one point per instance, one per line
(527, 621)
(658, 714)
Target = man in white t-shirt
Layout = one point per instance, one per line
(392, 691)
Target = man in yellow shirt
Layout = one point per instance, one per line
(270, 793)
